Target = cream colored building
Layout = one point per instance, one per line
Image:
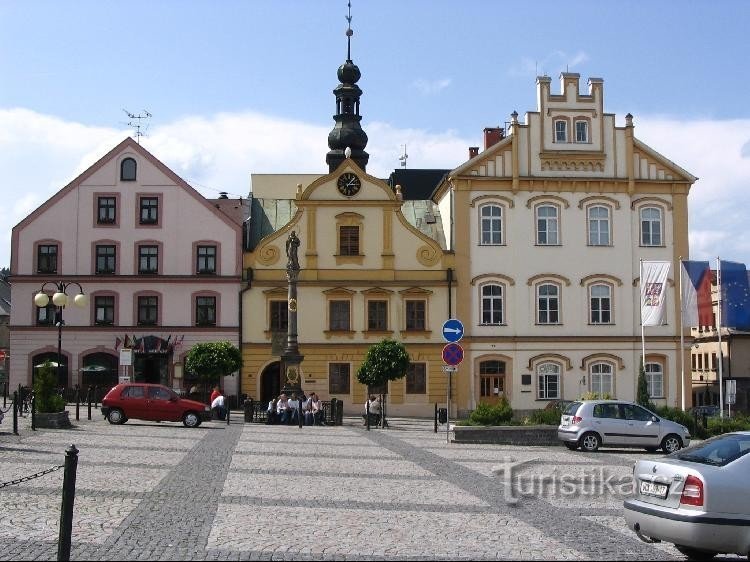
(372, 267)
(549, 224)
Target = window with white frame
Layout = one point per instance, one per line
(655, 380)
(491, 224)
(547, 225)
(599, 226)
(492, 304)
(548, 303)
(561, 131)
(600, 300)
(651, 225)
(582, 131)
(602, 379)
(548, 377)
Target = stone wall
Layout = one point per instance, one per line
(507, 435)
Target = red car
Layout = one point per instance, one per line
(153, 402)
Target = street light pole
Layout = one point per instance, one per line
(60, 299)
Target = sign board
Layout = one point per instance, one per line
(731, 391)
(453, 330)
(126, 357)
(449, 369)
(453, 354)
(124, 379)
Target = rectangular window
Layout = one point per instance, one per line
(338, 379)
(279, 316)
(601, 383)
(601, 305)
(546, 226)
(45, 315)
(106, 257)
(206, 259)
(598, 226)
(349, 240)
(492, 225)
(416, 315)
(205, 311)
(582, 131)
(148, 259)
(148, 311)
(416, 378)
(651, 227)
(46, 258)
(149, 210)
(561, 131)
(339, 319)
(492, 305)
(377, 315)
(548, 304)
(549, 386)
(106, 210)
(104, 310)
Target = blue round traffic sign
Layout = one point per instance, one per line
(453, 330)
(453, 354)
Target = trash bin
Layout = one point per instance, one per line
(442, 415)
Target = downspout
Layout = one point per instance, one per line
(449, 276)
(248, 281)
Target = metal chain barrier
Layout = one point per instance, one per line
(31, 477)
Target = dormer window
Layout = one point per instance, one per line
(128, 170)
(582, 131)
(561, 131)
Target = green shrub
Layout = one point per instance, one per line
(492, 414)
(46, 398)
(595, 396)
(717, 426)
(547, 416)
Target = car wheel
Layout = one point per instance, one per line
(695, 553)
(191, 419)
(571, 446)
(671, 443)
(590, 442)
(116, 417)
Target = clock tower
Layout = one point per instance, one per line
(347, 132)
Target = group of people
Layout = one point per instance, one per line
(218, 404)
(374, 409)
(285, 410)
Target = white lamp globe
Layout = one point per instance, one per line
(41, 299)
(60, 299)
(81, 300)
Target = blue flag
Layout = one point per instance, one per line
(735, 296)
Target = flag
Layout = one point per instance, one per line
(126, 345)
(735, 295)
(118, 343)
(697, 308)
(653, 292)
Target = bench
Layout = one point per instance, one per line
(332, 412)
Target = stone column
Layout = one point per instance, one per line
(292, 360)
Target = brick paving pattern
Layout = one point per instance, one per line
(148, 491)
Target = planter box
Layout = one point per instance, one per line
(507, 434)
(55, 420)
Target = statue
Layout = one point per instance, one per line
(292, 245)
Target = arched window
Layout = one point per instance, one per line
(651, 226)
(602, 379)
(655, 379)
(600, 299)
(492, 304)
(548, 303)
(599, 226)
(491, 224)
(128, 170)
(99, 369)
(548, 377)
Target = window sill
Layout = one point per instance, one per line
(105, 272)
(206, 325)
(415, 333)
(206, 272)
(339, 334)
(357, 260)
(147, 324)
(489, 325)
(104, 324)
(377, 333)
(150, 272)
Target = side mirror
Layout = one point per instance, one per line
(654, 419)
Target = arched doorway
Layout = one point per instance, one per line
(270, 382)
(99, 369)
(61, 375)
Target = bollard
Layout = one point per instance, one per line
(248, 407)
(78, 403)
(15, 412)
(88, 399)
(33, 413)
(299, 412)
(229, 411)
(367, 413)
(68, 498)
(436, 415)
(96, 397)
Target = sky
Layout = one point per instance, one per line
(245, 86)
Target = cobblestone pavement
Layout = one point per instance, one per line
(159, 491)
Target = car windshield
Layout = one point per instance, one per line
(717, 451)
(572, 408)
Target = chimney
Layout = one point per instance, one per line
(473, 151)
(492, 135)
(223, 195)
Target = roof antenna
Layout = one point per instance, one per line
(403, 157)
(135, 123)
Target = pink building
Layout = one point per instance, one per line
(159, 263)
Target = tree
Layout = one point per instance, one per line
(385, 361)
(45, 390)
(212, 360)
(643, 398)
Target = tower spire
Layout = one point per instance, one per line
(347, 132)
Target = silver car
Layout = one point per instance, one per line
(698, 499)
(590, 424)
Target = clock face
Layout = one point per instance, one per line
(349, 184)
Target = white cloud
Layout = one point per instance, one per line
(431, 87)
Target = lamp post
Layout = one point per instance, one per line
(60, 299)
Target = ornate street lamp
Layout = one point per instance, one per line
(60, 299)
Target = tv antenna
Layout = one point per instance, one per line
(135, 123)
(403, 157)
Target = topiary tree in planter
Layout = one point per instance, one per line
(213, 360)
(385, 361)
(46, 399)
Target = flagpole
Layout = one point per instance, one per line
(643, 331)
(682, 338)
(718, 332)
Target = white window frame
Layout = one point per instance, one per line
(598, 373)
(546, 373)
(496, 304)
(597, 302)
(561, 133)
(551, 225)
(585, 137)
(654, 379)
(653, 235)
(599, 226)
(493, 234)
(549, 300)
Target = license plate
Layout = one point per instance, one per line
(653, 489)
(565, 422)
